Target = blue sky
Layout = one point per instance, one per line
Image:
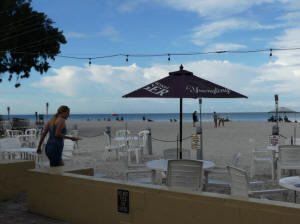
(105, 27)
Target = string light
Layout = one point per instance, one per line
(127, 58)
(90, 62)
(169, 58)
(270, 55)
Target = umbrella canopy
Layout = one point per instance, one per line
(183, 84)
(283, 110)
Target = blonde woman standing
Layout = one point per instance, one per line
(57, 132)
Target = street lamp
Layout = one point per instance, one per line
(47, 106)
(8, 112)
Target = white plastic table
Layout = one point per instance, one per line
(291, 183)
(162, 164)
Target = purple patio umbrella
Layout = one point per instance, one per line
(183, 84)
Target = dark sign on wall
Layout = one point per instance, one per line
(123, 201)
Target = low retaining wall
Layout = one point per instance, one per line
(13, 177)
(61, 194)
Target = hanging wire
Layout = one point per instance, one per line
(270, 50)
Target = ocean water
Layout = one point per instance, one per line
(187, 117)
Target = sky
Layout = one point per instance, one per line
(106, 27)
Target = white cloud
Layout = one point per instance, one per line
(205, 8)
(225, 47)
(110, 32)
(208, 32)
(67, 80)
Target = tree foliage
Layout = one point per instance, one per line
(27, 40)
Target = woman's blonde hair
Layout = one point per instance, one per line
(61, 109)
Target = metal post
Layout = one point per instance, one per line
(8, 113)
(47, 106)
(180, 131)
(149, 142)
(200, 150)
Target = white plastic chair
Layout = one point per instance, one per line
(239, 184)
(7, 145)
(135, 149)
(288, 158)
(9, 133)
(122, 133)
(261, 155)
(185, 174)
(31, 137)
(172, 153)
(143, 139)
(110, 148)
(221, 170)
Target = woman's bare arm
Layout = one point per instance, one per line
(60, 124)
(45, 131)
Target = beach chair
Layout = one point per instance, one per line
(288, 158)
(261, 155)
(172, 153)
(185, 174)
(239, 185)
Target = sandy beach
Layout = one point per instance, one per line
(220, 144)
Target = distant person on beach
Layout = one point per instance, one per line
(144, 118)
(286, 119)
(221, 121)
(215, 116)
(195, 118)
(57, 133)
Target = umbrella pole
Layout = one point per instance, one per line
(180, 130)
(200, 150)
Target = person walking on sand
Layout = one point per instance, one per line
(195, 118)
(57, 133)
(215, 116)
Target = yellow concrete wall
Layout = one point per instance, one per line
(13, 177)
(89, 200)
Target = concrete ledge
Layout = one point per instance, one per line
(13, 177)
(63, 194)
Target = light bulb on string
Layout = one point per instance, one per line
(169, 58)
(126, 58)
(270, 55)
(90, 62)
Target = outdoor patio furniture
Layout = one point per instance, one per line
(239, 184)
(288, 158)
(122, 133)
(221, 170)
(110, 148)
(143, 139)
(261, 155)
(185, 174)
